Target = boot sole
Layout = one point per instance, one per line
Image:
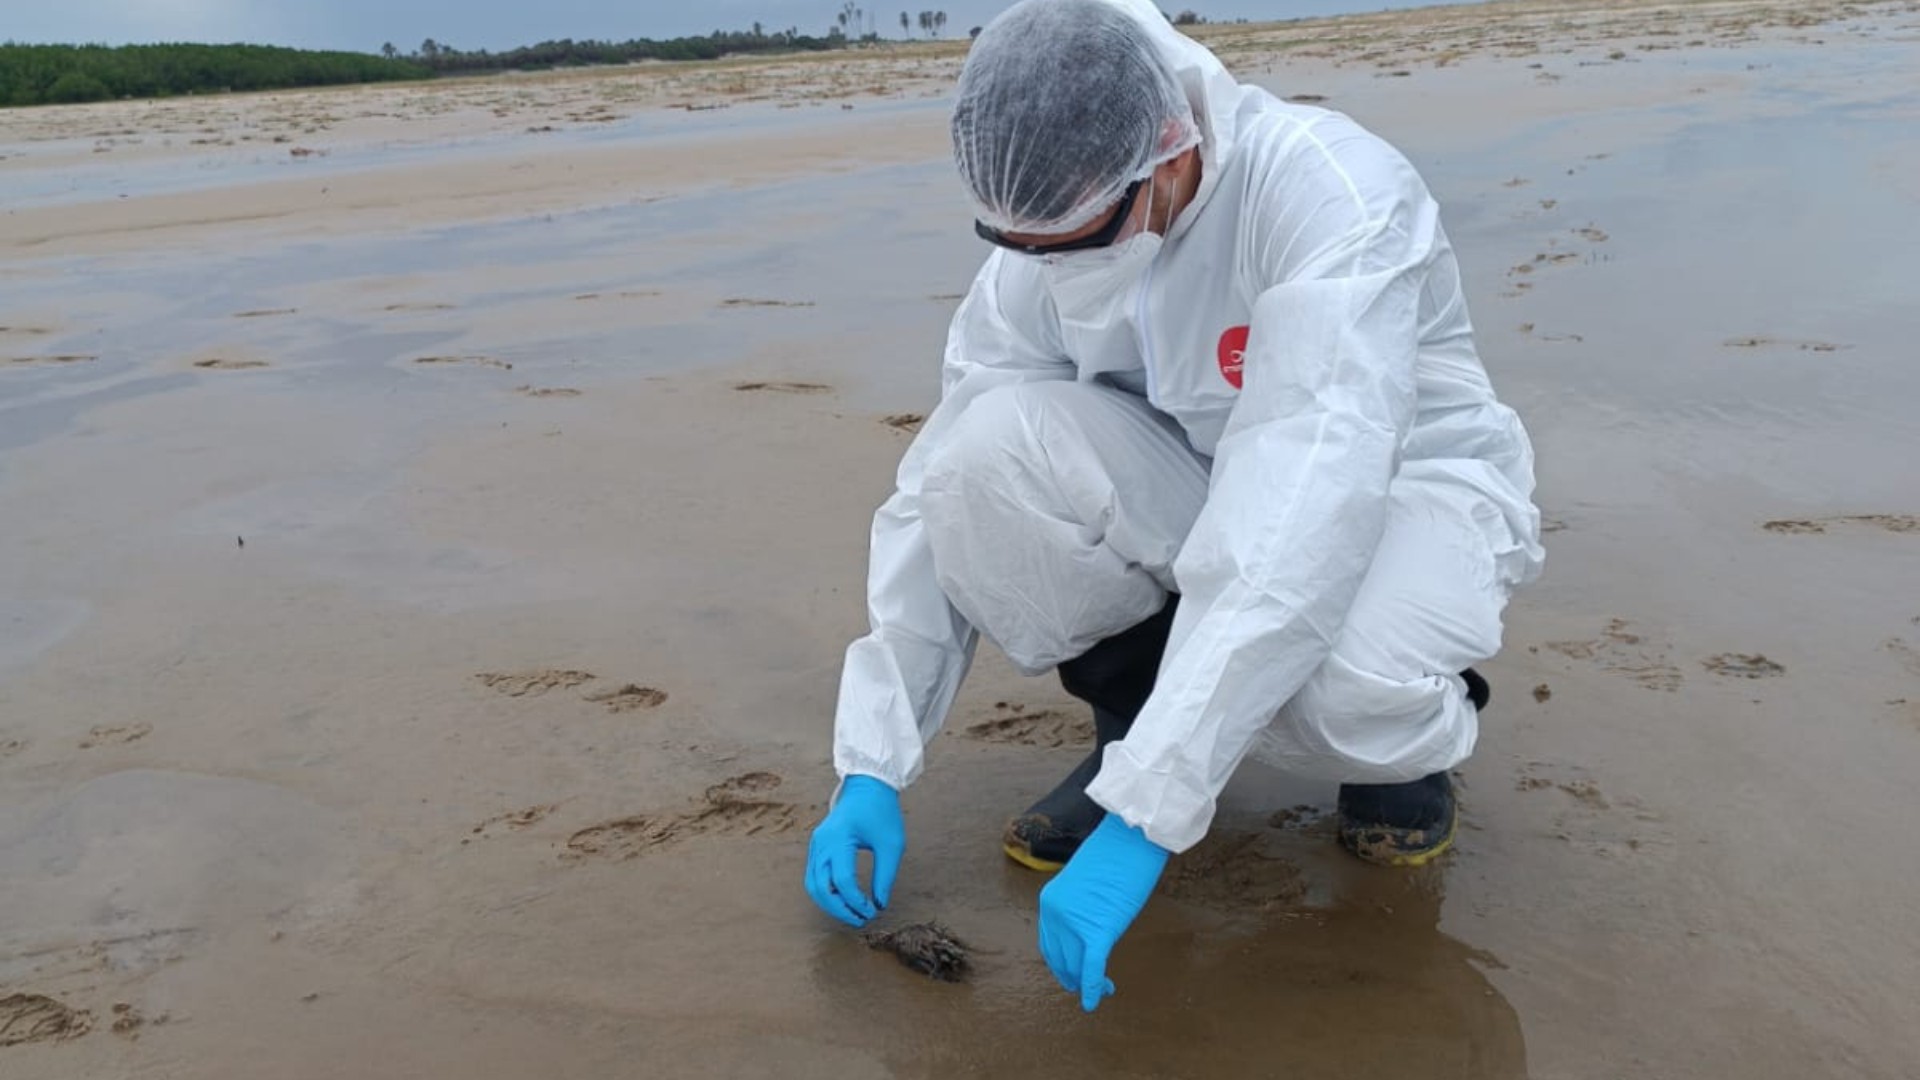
(1029, 860)
(1381, 853)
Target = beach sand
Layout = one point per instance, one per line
(427, 561)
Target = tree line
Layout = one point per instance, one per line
(63, 74)
(444, 59)
(59, 74)
(55, 74)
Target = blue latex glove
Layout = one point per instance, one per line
(866, 817)
(1092, 901)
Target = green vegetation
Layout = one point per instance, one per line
(447, 60)
(52, 74)
(56, 74)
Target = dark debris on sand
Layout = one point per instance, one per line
(928, 948)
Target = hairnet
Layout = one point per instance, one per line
(1061, 105)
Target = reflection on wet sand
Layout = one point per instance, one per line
(1360, 984)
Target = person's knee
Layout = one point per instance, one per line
(1117, 675)
(1001, 425)
(1371, 727)
(1341, 695)
(1006, 498)
(995, 449)
(986, 434)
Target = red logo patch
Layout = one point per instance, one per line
(1233, 350)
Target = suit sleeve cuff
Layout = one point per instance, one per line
(1172, 812)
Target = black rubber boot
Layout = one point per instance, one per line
(1478, 691)
(1051, 830)
(1406, 824)
(1115, 677)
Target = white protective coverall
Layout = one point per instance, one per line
(1286, 423)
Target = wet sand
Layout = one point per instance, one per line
(427, 562)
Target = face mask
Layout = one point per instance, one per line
(1094, 289)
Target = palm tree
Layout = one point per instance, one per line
(389, 51)
(939, 22)
(905, 30)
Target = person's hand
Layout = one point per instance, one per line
(866, 817)
(1092, 901)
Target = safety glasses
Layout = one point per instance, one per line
(1104, 237)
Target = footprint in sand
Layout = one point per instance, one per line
(10, 747)
(477, 361)
(33, 1018)
(754, 302)
(519, 819)
(546, 391)
(1782, 343)
(221, 363)
(630, 294)
(418, 307)
(1583, 791)
(103, 735)
(1743, 666)
(1909, 710)
(265, 313)
(532, 683)
(629, 698)
(1518, 274)
(1048, 728)
(1618, 651)
(784, 387)
(740, 806)
(1899, 647)
(127, 1021)
(909, 422)
(1549, 257)
(1303, 819)
(1591, 821)
(84, 957)
(1233, 872)
(1894, 523)
(58, 358)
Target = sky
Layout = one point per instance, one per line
(502, 24)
